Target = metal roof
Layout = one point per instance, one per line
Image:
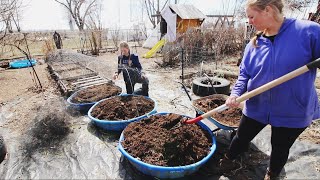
(187, 11)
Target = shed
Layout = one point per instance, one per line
(175, 18)
(187, 16)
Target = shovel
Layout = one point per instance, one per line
(261, 89)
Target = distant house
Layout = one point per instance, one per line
(188, 16)
(175, 18)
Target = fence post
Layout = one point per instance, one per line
(182, 64)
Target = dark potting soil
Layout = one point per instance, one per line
(123, 108)
(229, 117)
(96, 93)
(47, 133)
(209, 83)
(156, 141)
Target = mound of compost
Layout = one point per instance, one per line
(47, 133)
(122, 108)
(156, 140)
(229, 117)
(96, 93)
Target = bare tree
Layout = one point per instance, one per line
(153, 10)
(115, 36)
(298, 5)
(143, 29)
(292, 5)
(137, 36)
(16, 17)
(10, 11)
(18, 41)
(79, 10)
(21, 41)
(94, 23)
(95, 17)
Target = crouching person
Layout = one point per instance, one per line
(131, 68)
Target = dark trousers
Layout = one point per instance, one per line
(282, 139)
(132, 76)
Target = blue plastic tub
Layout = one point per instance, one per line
(83, 107)
(22, 63)
(168, 172)
(213, 120)
(118, 125)
(217, 123)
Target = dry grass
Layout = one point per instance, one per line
(312, 133)
(206, 45)
(42, 43)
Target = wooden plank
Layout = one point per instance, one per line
(63, 87)
(83, 87)
(89, 80)
(90, 69)
(95, 82)
(53, 72)
(78, 77)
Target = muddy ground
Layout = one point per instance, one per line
(21, 103)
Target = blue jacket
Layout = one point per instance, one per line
(293, 104)
(124, 60)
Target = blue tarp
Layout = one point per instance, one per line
(22, 63)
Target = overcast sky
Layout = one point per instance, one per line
(49, 15)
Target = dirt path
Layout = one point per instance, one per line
(17, 82)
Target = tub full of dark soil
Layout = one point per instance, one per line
(164, 147)
(85, 98)
(116, 112)
(226, 119)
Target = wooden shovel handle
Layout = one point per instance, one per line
(261, 89)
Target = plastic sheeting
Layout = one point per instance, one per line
(171, 20)
(91, 153)
(153, 38)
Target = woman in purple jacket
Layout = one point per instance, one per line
(280, 46)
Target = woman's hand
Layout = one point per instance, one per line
(115, 76)
(231, 102)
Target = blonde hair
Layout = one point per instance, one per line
(276, 5)
(124, 44)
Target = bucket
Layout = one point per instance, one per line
(83, 107)
(118, 125)
(168, 172)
